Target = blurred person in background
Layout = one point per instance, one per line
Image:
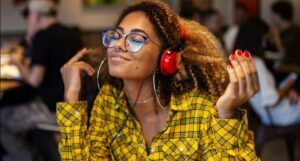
(51, 45)
(240, 15)
(272, 104)
(287, 37)
(213, 20)
(199, 8)
(18, 104)
(194, 9)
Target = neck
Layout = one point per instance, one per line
(284, 25)
(143, 88)
(47, 22)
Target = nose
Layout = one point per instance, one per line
(120, 44)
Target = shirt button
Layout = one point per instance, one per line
(181, 149)
(141, 144)
(76, 113)
(152, 150)
(118, 135)
(171, 113)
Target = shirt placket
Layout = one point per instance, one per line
(156, 145)
(139, 140)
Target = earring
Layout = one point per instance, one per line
(155, 92)
(98, 72)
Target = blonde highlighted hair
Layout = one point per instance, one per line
(203, 67)
(203, 60)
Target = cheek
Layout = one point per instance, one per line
(148, 59)
(146, 64)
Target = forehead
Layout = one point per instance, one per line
(137, 20)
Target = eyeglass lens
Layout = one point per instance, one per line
(134, 42)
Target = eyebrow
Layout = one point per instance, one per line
(139, 30)
(133, 30)
(120, 28)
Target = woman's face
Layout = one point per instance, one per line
(139, 65)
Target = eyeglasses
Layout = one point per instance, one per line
(134, 42)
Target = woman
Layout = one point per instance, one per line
(151, 109)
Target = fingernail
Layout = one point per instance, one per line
(229, 66)
(238, 52)
(247, 54)
(232, 57)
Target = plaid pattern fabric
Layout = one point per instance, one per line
(193, 132)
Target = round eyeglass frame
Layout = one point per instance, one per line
(146, 40)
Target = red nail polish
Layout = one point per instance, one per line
(232, 57)
(238, 52)
(229, 66)
(247, 54)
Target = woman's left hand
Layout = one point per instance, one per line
(243, 84)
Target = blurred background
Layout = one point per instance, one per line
(269, 29)
(100, 15)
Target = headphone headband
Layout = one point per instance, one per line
(182, 31)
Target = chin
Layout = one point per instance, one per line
(118, 72)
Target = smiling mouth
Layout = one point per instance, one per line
(118, 58)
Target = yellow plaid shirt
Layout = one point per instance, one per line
(193, 132)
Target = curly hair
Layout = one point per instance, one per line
(202, 61)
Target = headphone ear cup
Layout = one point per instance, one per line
(168, 62)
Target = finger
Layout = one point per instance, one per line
(233, 79)
(91, 69)
(86, 67)
(243, 61)
(77, 57)
(239, 73)
(253, 70)
(83, 68)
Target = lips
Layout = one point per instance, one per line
(118, 57)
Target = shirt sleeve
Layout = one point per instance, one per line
(77, 141)
(231, 139)
(268, 93)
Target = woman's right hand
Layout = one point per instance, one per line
(71, 72)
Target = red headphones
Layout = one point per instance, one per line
(169, 57)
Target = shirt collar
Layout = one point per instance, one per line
(116, 97)
(182, 102)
